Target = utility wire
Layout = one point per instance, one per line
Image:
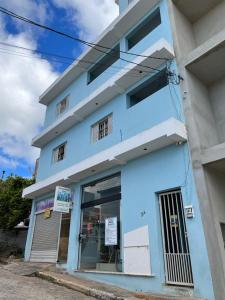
(24, 55)
(12, 14)
(92, 45)
(69, 58)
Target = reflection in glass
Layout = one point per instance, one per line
(95, 253)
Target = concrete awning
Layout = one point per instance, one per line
(116, 85)
(164, 134)
(125, 21)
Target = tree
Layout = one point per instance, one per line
(13, 208)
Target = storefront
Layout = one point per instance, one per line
(100, 226)
(50, 234)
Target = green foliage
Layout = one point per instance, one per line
(13, 208)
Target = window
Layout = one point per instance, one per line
(104, 64)
(153, 21)
(100, 225)
(62, 105)
(59, 153)
(149, 87)
(102, 128)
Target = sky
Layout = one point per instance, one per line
(24, 75)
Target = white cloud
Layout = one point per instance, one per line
(90, 16)
(6, 162)
(22, 80)
(27, 8)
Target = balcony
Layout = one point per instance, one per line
(115, 86)
(126, 20)
(160, 136)
(194, 10)
(206, 61)
(215, 157)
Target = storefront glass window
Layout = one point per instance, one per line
(100, 229)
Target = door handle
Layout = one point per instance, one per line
(82, 236)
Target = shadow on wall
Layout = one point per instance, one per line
(12, 243)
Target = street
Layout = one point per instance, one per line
(16, 287)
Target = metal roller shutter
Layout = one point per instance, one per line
(45, 238)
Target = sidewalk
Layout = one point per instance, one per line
(95, 289)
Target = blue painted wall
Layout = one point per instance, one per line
(79, 89)
(141, 179)
(140, 182)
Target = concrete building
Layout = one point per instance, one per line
(199, 39)
(142, 214)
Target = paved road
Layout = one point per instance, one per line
(17, 287)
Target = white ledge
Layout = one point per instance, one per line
(122, 24)
(113, 273)
(164, 134)
(116, 85)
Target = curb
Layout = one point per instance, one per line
(98, 294)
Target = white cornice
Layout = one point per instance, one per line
(159, 136)
(116, 85)
(126, 20)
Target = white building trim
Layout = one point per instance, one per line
(159, 136)
(126, 20)
(116, 85)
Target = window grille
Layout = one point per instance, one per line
(61, 106)
(102, 129)
(59, 153)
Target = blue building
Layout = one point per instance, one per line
(115, 135)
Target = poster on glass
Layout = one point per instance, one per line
(111, 231)
(62, 200)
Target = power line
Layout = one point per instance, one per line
(23, 55)
(69, 58)
(12, 14)
(92, 45)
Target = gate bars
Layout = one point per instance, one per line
(178, 270)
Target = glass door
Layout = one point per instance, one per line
(64, 238)
(100, 228)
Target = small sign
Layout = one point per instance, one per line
(47, 213)
(189, 211)
(44, 204)
(62, 200)
(111, 231)
(174, 221)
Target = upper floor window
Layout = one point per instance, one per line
(102, 128)
(62, 106)
(149, 87)
(102, 65)
(153, 21)
(59, 153)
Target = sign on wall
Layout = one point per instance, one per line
(63, 199)
(44, 204)
(111, 231)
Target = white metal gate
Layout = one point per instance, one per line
(177, 259)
